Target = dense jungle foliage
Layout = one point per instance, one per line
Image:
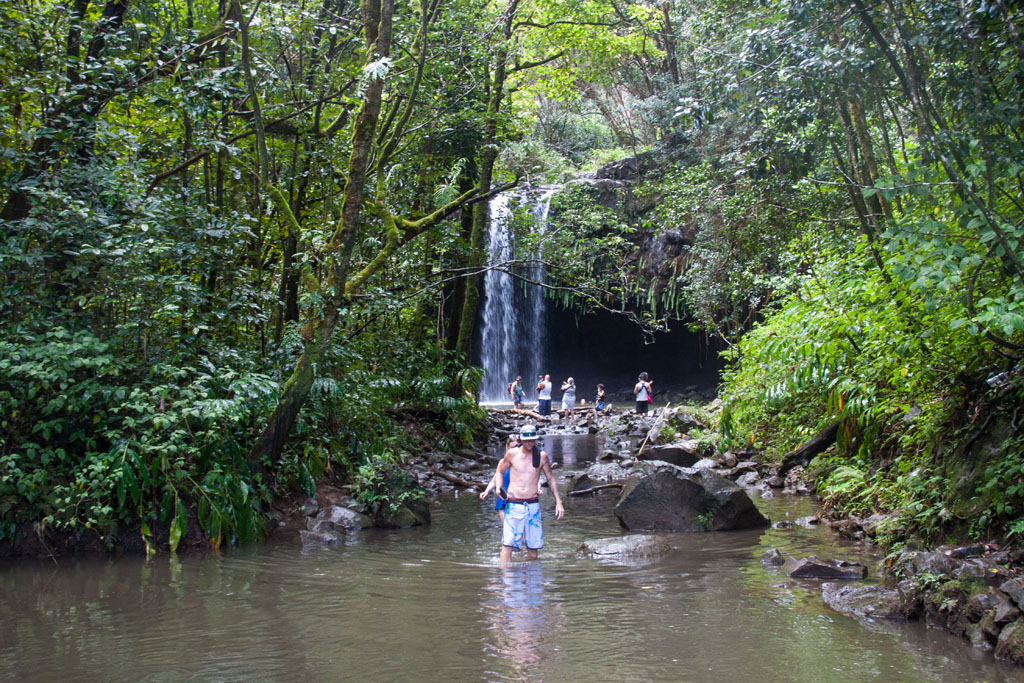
(240, 241)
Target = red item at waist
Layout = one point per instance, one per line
(522, 500)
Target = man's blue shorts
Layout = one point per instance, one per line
(522, 523)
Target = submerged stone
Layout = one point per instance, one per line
(865, 601)
(627, 547)
(814, 568)
(318, 538)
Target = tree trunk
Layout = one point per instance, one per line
(802, 456)
(377, 16)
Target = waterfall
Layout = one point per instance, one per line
(513, 330)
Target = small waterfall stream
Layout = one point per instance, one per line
(512, 331)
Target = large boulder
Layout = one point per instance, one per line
(623, 169)
(865, 600)
(682, 454)
(627, 547)
(662, 497)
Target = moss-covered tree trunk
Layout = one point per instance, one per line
(377, 18)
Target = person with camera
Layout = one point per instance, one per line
(642, 391)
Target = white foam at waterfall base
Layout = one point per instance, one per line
(513, 337)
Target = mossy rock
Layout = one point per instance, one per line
(989, 626)
(406, 516)
(1011, 642)
(944, 605)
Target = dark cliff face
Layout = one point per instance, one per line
(659, 253)
(608, 348)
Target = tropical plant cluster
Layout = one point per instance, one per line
(855, 181)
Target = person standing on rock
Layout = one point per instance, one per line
(544, 395)
(642, 391)
(599, 401)
(569, 398)
(522, 525)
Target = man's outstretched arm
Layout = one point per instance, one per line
(553, 485)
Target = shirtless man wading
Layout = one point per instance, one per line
(522, 509)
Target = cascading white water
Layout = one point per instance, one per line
(512, 334)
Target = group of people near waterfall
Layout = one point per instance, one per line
(641, 390)
(517, 478)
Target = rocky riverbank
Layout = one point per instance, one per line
(975, 592)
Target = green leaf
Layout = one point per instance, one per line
(176, 530)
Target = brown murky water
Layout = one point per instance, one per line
(433, 605)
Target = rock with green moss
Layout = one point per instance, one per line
(415, 513)
(870, 601)
(1011, 642)
(944, 605)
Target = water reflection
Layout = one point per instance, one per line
(524, 621)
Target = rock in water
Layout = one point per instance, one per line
(412, 514)
(318, 538)
(581, 482)
(336, 518)
(773, 558)
(627, 547)
(813, 568)
(662, 497)
(683, 454)
(865, 601)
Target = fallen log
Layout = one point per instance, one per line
(594, 488)
(452, 478)
(513, 411)
(804, 454)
